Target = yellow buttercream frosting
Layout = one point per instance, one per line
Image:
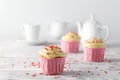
(71, 36)
(51, 52)
(94, 43)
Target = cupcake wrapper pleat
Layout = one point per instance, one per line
(70, 46)
(52, 66)
(94, 54)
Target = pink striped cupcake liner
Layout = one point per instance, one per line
(94, 54)
(52, 66)
(70, 46)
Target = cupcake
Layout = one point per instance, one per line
(52, 60)
(70, 42)
(94, 50)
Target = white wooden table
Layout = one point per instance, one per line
(19, 62)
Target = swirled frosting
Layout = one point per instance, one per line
(94, 43)
(51, 52)
(71, 36)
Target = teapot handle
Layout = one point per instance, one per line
(107, 32)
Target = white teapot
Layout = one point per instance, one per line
(92, 28)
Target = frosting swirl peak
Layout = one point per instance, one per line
(52, 51)
(71, 36)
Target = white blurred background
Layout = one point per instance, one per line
(14, 13)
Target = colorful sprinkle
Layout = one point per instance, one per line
(105, 72)
(58, 76)
(48, 53)
(72, 36)
(60, 51)
(46, 49)
(34, 75)
(41, 73)
(97, 41)
(78, 73)
(27, 73)
(25, 62)
(56, 47)
(88, 71)
(33, 64)
(119, 72)
(12, 65)
(96, 67)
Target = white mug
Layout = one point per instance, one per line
(31, 32)
(57, 29)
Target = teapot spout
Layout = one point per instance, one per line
(79, 28)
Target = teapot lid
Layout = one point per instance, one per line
(92, 16)
(92, 21)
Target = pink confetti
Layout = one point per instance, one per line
(78, 73)
(34, 75)
(110, 67)
(96, 67)
(88, 71)
(33, 64)
(12, 65)
(41, 73)
(76, 60)
(109, 61)
(25, 62)
(105, 72)
(119, 72)
(58, 76)
(27, 73)
(75, 76)
(98, 74)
